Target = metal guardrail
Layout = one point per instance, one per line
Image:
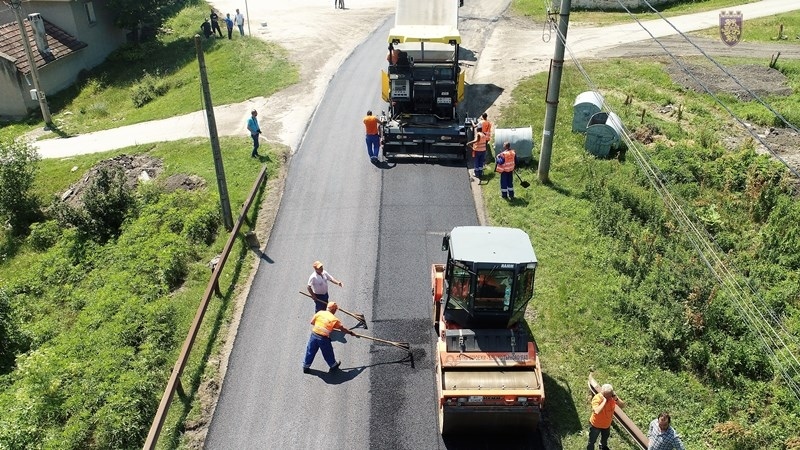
(627, 424)
(174, 382)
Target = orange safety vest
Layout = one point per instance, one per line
(508, 157)
(480, 144)
(486, 126)
(324, 323)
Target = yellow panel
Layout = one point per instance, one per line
(384, 85)
(460, 87)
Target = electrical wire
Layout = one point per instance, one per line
(709, 252)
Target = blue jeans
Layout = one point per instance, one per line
(255, 144)
(507, 184)
(593, 432)
(241, 29)
(317, 342)
(373, 145)
(480, 160)
(321, 306)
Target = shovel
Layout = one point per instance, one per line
(404, 345)
(359, 317)
(523, 183)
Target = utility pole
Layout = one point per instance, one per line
(222, 185)
(553, 88)
(16, 5)
(247, 11)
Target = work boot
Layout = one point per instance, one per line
(335, 367)
(306, 370)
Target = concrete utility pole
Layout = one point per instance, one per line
(247, 11)
(222, 185)
(553, 88)
(16, 5)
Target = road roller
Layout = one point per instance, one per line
(487, 368)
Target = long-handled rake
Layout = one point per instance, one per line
(404, 345)
(359, 317)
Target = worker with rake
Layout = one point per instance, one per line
(323, 323)
(318, 285)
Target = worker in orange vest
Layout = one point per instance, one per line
(392, 55)
(323, 323)
(506, 163)
(479, 151)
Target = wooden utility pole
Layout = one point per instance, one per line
(222, 185)
(16, 5)
(553, 88)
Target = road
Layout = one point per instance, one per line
(378, 229)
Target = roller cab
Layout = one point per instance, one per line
(488, 371)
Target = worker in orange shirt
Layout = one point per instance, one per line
(323, 323)
(603, 405)
(392, 55)
(371, 124)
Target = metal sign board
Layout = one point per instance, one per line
(730, 27)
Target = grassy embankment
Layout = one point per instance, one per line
(620, 292)
(97, 326)
(238, 69)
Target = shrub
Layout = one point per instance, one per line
(44, 235)
(18, 166)
(202, 224)
(148, 89)
(106, 203)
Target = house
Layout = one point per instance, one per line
(73, 35)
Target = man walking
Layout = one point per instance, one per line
(323, 323)
(603, 405)
(229, 25)
(506, 163)
(255, 132)
(238, 19)
(215, 23)
(661, 436)
(373, 136)
(318, 285)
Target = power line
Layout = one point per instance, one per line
(709, 251)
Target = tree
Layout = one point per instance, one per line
(134, 14)
(18, 206)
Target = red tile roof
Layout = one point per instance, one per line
(61, 44)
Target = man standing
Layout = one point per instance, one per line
(661, 436)
(229, 25)
(215, 23)
(603, 405)
(478, 151)
(318, 285)
(506, 163)
(373, 136)
(206, 27)
(255, 132)
(323, 323)
(238, 19)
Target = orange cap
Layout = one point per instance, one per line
(317, 264)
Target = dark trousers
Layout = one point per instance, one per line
(373, 145)
(230, 32)
(593, 432)
(318, 306)
(507, 184)
(215, 27)
(255, 144)
(480, 160)
(315, 343)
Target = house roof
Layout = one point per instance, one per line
(61, 44)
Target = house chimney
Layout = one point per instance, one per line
(37, 25)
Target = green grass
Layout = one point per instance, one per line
(535, 9)
(765, 29)
(238, 69)
(571, 315)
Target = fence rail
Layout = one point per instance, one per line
(174, 382)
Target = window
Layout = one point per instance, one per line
(459, 289)
(90, 13)
(494, 290)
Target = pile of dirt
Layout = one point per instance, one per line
(752, 79)
(137, 169)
